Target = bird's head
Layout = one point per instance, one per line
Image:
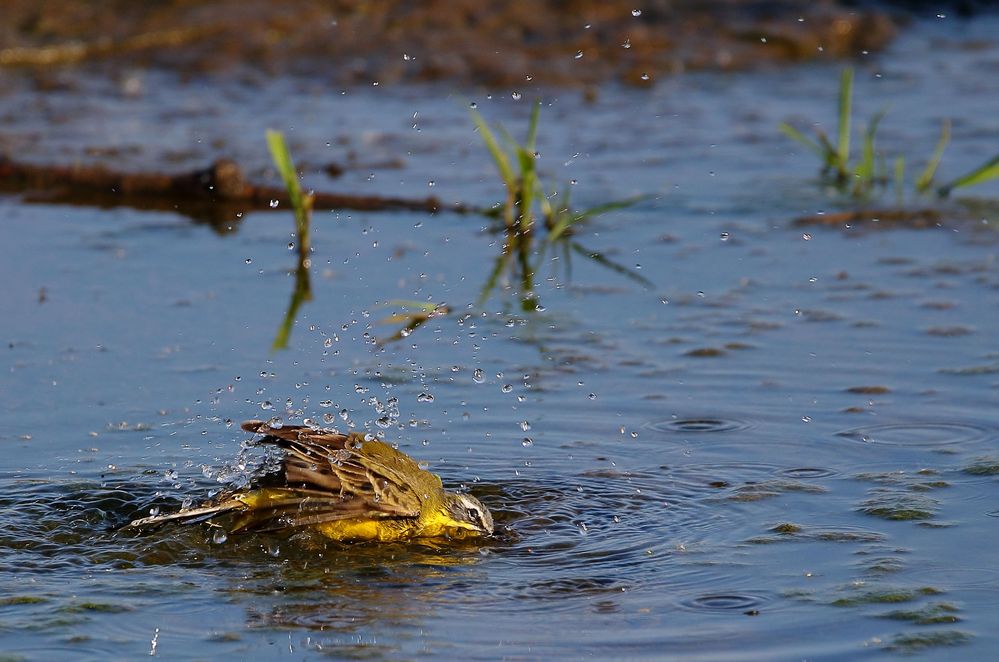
(467, 514)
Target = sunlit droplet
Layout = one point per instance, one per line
(219, 537)
(274, 204)
(477, 376)
(425, 397)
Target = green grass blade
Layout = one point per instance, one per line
(532, 128)
(604, 261)
(845, 110)
(796, 135)
(864, 173)
(301, 204)
(925, 180)
(900, 179)
(492, 145)
(499, 266)
(285, 166)
(983, 173)
(301, 293)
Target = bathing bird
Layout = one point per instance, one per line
(344, 486)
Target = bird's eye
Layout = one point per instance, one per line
(474, 515)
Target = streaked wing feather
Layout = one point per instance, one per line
(335, 462)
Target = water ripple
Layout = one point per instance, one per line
(697, 425)
(922, 435)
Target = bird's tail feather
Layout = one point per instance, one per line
(191, 515)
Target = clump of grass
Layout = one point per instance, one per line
(526, 197)
(526, 204)
(301, 204)
(861, 176)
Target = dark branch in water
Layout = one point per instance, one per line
(217, 194)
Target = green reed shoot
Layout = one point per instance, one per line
(302, 205)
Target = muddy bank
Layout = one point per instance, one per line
(490, 43)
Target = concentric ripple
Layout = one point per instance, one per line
(726, 603)
(921, 435)
(697, 425)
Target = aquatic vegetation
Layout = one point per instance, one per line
(898, 506)
(932, 614)
(517, 165)
(885, 596)
(913, 643)
(984, 466)
(527, 202)
(865, 175)
(302, 205)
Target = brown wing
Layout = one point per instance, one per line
(366, 477)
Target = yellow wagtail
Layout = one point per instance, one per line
(345, 488)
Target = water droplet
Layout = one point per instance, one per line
(579, 54)
(219, 537)
(525, 425)
(516, 96)
(477, 376)
(527, 442)
(274, 204)
(266, 404)
(636, 12)
(473, 105)
(423, 464)
(431, 183)
(328, 342)
(344, 414)
(644, 76)
(592, 396)
(806, 236)
(273, 549)
(326, 404)
(249, 260)
(507, 388)
(806, 419)
(425, 397)
(328, 417)
(724, 236)
(154, 511)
